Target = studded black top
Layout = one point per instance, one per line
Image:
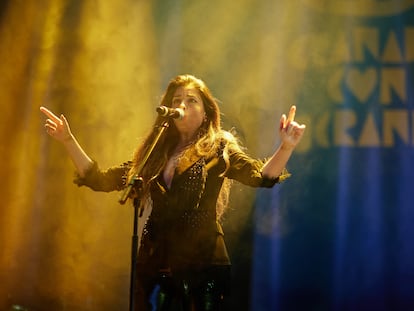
(182, 231)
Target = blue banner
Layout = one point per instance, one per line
(338, 234)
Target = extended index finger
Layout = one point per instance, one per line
(50, 114)
(291, 115)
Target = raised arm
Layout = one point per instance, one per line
(290, 134)
(59, 129)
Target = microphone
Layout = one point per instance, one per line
(175, 113)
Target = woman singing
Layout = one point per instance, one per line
(182, 261)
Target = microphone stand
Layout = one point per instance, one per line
(135, 188)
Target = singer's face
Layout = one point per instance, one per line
(189, 100)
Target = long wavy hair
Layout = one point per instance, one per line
(210, 138)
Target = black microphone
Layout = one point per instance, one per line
(175, 113)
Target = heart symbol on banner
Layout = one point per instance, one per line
(361, 84)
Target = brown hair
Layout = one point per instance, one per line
(209, 139)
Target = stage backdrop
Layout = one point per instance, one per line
(335, 236)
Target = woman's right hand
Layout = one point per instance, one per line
(56, 127)
(59, 129)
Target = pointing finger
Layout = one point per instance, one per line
(292, 113)
(50, 114)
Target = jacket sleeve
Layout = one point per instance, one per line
(108, 180)
(248, 171)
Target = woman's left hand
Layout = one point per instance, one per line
(290, 131)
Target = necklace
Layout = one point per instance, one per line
(179, 152)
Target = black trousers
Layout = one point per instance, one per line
(194, 290)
